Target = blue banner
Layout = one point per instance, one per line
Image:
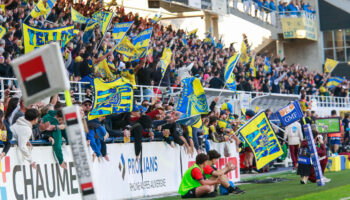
(314, 154)
(290, 113)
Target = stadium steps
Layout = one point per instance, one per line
(265, 44)
(274, 30)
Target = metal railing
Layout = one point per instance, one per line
(266, 15)
(146, 92)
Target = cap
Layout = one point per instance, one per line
(86, 100)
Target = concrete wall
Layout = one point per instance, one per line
(303, 52)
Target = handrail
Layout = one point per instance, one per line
(321, 101)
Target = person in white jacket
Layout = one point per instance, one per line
(294, 136)
(22, 132)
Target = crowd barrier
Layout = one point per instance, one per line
(159, 171)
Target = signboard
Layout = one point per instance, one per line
(41, 73)
(245, 101)
(303, 27)
(219, 6)
(124, 177)
(228, 153)
(314, 155)
(82, 159)
(328, 125)
(290, 113)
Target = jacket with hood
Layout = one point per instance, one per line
(22, 132)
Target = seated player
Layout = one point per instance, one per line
(220, 174)
(194, 184)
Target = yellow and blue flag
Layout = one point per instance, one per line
(267, 65)
(157, 17)
(261, 138)
(143, 39)
(36, 37)
(252, 67)
(120, 30)
(103, 70)
(126, 48)
(209, 39)
(184, 41)
(193, 100)
(165, 60)
(111, 97)
(77, 17)
(2, 31)
(106, 20)
(334, 81)
(90, 25)
(329, 65)
(2, 7)
(189, 120)
(42, 8)
(193, 33)
(229, 75)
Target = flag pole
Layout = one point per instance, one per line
(229, 76)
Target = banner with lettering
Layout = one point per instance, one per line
(37, 37)
(262, 140)
(119, 31)
(111, 97)
(290, 113)
(300, 27)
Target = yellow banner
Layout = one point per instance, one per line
(77, 17)
(261, 138)
(35, 37)
(329, 65)
(111, 97)
(301, 28)
(165, 60)
(125, 47)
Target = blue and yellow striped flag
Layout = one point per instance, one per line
(111, 97)
(229, 75)
(143, 39)
(120, 30)
(165, 60)
(334, 81)
(193, 100)
(267, 65)
(42, 8)
(77, 17)
(261, 138)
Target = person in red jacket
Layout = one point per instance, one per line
(322, 155)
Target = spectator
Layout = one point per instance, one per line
(22, 132)
(294, 135)
(5, 134)
(55, 117)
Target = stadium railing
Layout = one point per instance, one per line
(143, 92)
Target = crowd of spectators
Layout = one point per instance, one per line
(153, 118)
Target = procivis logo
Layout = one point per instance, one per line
(5, 167)
(122, 165)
